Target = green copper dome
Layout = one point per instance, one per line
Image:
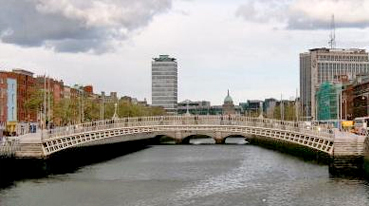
(228, 98)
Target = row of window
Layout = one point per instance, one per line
(342, 65)
(165, 98)
(164, 77)
(172, 73)
(343, 58)
(327, 73)
(166, 104)
(166, 68)
(164, 85)
(168, 64)
(165, 82)
(162, 91)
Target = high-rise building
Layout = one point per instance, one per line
(325, 65)
(165, 83)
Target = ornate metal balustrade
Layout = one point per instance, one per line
(188, 120)
(316, 137)
(8, 146)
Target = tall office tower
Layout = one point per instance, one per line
(165, 83)
(325, 65)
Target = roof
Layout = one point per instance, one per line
(350, 50)
(228, 98)
(164, 58)
(22, 71)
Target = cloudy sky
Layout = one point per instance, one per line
(248, 46)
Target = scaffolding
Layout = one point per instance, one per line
(327, 98)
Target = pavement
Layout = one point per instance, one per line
(30, 138)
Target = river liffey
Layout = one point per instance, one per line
(181, 175)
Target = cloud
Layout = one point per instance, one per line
(263, 11)
(307, 14)
(75, 25)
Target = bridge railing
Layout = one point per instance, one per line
(8, 146)
(319, 130)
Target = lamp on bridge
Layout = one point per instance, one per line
(115, 116)
(188, 112)
(261, 110)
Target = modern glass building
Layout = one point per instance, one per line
(165, 83)
(325, 65)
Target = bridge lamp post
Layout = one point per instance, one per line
(115, 115)
(187, 112)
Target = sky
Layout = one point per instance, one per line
(250, 47)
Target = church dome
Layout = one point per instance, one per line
(228, 99)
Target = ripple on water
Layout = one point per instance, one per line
(193, 175)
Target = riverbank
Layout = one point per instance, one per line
(352, 166)
(296, 150)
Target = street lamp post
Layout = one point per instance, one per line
(188, 112)
(115, 115)
(102, 107)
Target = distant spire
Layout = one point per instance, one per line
(332, 36)
(228, 93)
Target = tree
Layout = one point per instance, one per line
(289, 111)
(34, 101)
(91, 109)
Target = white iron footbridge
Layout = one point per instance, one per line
(181, 128)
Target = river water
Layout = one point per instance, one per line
(196, 175)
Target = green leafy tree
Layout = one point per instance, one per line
(289, 112)
(34, 101)
(91, 109)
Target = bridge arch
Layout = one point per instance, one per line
(164, 138)
(241, 135)
(188, 138)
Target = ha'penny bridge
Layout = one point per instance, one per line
(343, 148)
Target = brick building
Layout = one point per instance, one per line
(54, 86)
(360, 99)
(3, 97)
(89, 90)
(355, 98)
(26, 84)
(348, 102)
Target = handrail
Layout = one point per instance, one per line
(189, 120)
(8, 146)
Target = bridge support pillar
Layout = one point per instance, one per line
(218, 138)
(346, 165)
(179, 139)
(347, 158)
(366, 157)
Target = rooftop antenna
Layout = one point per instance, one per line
(332, 36)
